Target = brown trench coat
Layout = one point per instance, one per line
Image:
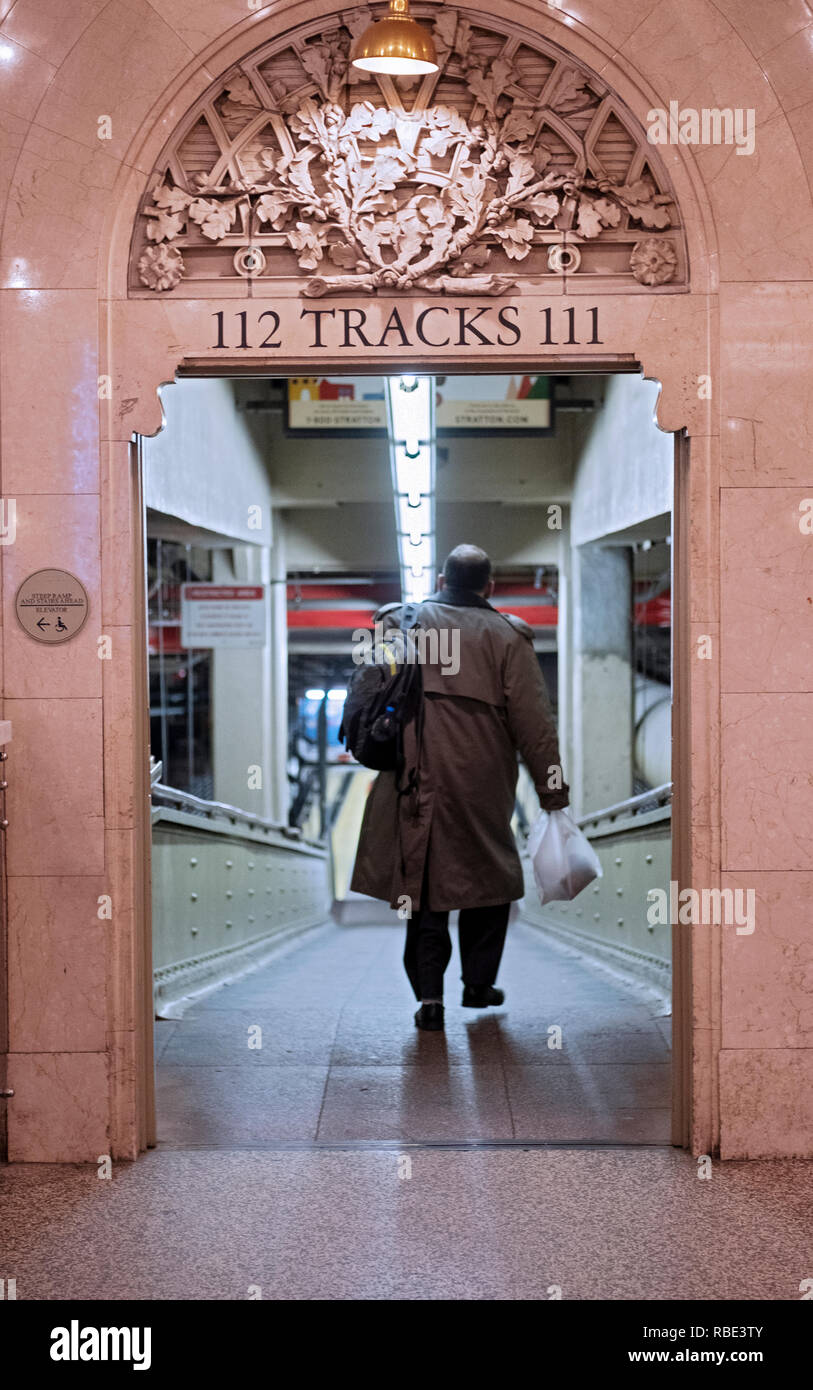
(452, 840)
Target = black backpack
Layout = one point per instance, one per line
(381, 700)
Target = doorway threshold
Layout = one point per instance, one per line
(405, 1145)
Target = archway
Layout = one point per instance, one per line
(523, 219)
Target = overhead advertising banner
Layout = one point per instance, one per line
(478, 404)
(336, 403)
(474, 404)
(223, 615)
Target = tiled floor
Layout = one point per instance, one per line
(341, 1059)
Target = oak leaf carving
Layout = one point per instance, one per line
(241, 92)
(644, 203)
(543, 206)
(595, 214)
(314, 60)
(447, 126)
(522, 173)
(475, 256)
(172, 199)
(462, 39)
(239, 100)
(343, 255)
(516, 237)
(214, 219)
(308, 242)
(466, 198)
(308, 122)
(165, 226)
(650, 214)
(444, 29)
(274, 208)
(369, 121)
(293, 168)
(570, 94)
(358, 20)
(489, 87)
(519, 124)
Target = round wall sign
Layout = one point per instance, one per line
(52, 605)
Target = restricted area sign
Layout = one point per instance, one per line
(223, 615)
(52, 605)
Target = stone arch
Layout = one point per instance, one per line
(478, 179)
(154, 331)
(628, 98)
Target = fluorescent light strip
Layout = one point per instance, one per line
(411, 429)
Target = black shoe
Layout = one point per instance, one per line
(480, 996)
(430, 1018)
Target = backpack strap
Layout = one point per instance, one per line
(408, 621)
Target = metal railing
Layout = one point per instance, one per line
(220, 810)
(185, 801)
(633, 806)
(608, 920)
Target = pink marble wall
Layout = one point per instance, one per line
(69, 202)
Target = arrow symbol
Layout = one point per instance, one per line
(42, 623)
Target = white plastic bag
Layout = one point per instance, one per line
(564, 860)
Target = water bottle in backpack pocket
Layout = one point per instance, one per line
(381, 700)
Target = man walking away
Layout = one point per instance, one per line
(441, 838)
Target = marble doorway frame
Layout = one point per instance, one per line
(673, 338)
(682, 1039)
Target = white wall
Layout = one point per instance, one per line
(623, 478)
(206, 466)
(624, 474)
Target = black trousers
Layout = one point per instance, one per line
(481, 934)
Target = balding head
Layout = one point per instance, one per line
(467, 567)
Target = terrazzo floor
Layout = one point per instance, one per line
(612, 1223)
(314, 1168)
(341, 1059)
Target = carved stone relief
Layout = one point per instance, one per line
(510, 165)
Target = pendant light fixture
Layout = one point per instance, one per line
(397, 45)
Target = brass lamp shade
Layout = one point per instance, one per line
(396, 45)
